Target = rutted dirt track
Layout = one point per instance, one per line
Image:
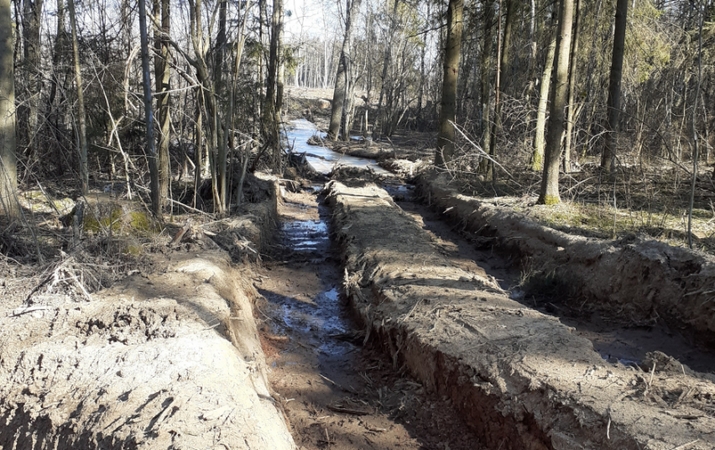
(336, 392)
(521, 378)
(391, 336)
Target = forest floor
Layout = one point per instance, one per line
(375, 313)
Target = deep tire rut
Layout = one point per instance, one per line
(335, 392)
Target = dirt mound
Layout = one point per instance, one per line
(167, 359)
(645, 279)
(521, 378)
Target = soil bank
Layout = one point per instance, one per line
(642, 278)
(519, 377)
(167, 359)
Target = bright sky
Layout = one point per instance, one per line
(310, 18)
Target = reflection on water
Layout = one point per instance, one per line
(322, 159)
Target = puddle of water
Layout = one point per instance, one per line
(322, 159)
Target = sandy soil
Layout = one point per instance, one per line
(521, 378)
(168, 357)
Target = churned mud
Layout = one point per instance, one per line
(521, 378)
(336, 391)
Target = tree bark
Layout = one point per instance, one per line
(148, 111)
(537, 157)
(8, 158)
(341, 79)
(271, 121)
(550, 180)
(608, 158)
(163, 77)
(81, 115)
(453, 46)
(571, 117)
(31, 26)
(485, 69)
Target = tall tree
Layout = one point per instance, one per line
(447, 114)
(537, 157)
(271, 119)
(31, 27)
(148, 111)
(8, 162)
(81, 114)
(608, 157)
(341, 79)
(573, 69)
(484, 78)
(162, 75)
(549, 194)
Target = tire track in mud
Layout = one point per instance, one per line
(335, 392)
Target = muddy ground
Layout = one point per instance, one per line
(337, 391)
(355, 319)
(520, 377)
(167, 357)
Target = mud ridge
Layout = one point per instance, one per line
(646, 279)
(169, 359)
(521, 378)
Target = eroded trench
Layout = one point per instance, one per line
(340, 390)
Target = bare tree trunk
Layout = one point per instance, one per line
(32, 20)
(148, 112)
(503, 54)
(8, 158)
(485, 69)
(341, 79)
(453, 46)
(163, 77)
(220, 166)
(571, 117)
(537, 158)
(82, 116)
(271, 121)
(550, 180)
(531, 70)
(608, 159)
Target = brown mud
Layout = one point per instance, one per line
(336, 392)
(168, 357)
(522, 379)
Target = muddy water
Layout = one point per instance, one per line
(322, 159)
(335, 392)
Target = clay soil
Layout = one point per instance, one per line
(336, 390)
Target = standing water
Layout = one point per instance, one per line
(335, 392)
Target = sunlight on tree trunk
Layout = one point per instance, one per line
(608, 159)
(571, 116)
(537, 157)
(163, 78)
(8, 161)
(447, 114)
(81, 115)
(341, 79)
(549, 194)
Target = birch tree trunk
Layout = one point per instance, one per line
(537, 157)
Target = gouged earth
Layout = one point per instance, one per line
(170, 359)
(521, 378)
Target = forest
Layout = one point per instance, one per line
(611, 97)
